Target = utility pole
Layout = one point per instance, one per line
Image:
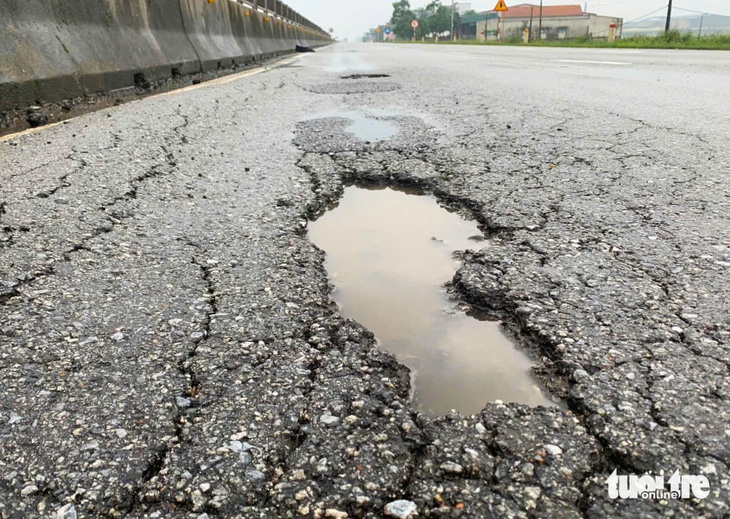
(453, 5)
(702, 20)
(669, 16)
(539, 25)
(531, 10)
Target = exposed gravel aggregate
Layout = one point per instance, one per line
(169, 348)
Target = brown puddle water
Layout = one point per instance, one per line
(389, 254)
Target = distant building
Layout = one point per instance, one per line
(473, 25)
(558, 22)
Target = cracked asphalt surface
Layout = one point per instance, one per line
(168, 346)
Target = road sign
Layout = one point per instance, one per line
(414, 24)
(387, 30)
(501, 6)
(377, 30)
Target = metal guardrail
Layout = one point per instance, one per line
(280, 10)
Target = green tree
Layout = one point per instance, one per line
(439, 18)
(434, 19)
(400, 22)
(421, 15)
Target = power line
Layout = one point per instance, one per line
(608, 4)
(647, 14)
(637, 19)
(691, 10)
(701, 12)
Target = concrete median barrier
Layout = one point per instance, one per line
(51, 50)
(210, 28)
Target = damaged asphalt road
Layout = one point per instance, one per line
(169, 348)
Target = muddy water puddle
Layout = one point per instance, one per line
(370, 128)
(389, 254)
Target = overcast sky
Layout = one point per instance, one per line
(352, 18)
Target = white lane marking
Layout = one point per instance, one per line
(594, 62)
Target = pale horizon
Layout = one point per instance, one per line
(353, 18)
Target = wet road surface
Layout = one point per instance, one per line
(169, 345)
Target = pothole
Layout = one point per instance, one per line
(365, 76)
(370, 129)
(389, 254)
(354, 87)
(366, 131)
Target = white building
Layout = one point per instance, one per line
(558, 22)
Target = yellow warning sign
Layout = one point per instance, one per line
(501, 6)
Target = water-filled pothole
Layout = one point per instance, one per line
(389, 254)
(369, 129)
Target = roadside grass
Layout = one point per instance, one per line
(670, 40)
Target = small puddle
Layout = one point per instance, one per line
(389, 254)
(369, 129)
